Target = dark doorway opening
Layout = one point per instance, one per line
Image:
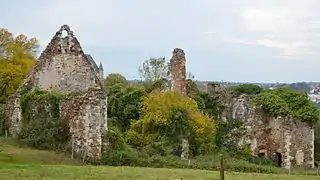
(278, 159)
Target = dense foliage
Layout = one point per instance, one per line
(285, 101)
(171, 114)
(123, 104)
(248, 89)
(113, 79)
(41, 124)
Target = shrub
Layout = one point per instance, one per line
(41, 125)
(115, 138)
(45, 134)
(247, 89)
(126, 156)
(284, 102)
(170, 114)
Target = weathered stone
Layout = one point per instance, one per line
(179, 83)
(293, 138)
(64, 67)
(85, 116)
(178, 71)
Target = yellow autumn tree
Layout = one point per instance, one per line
(164, 112)
(17, 56)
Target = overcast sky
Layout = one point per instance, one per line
(229, 40)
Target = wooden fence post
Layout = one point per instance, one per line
(72, 146)
(221, 167)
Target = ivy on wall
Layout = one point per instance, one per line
(41, 124)
(285, 102)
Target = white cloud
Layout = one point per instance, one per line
(291, 29)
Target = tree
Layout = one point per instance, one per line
(248, 89)
(123, 104)
(17, 56)
(170, 114)
(113, 79)
(154, 69)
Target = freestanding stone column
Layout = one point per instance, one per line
(178, 71)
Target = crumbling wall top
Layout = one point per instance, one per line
(178, 71)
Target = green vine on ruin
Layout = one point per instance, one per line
(41, 124)
(40, 98)
(284, 102)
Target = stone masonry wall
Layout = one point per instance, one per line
(178, 71)
(14, 114)
(293, 138)
(64, 67)
(85, 115)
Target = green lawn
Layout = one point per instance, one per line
(29, 164)
(66, 172)
(12, 154)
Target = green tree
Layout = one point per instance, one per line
(113, 79)
(154, 69)
(17, 56)
(248, 89)
(123, 104)
(171, 114)
(194, 93)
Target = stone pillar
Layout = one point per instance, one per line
(178, 71)
(100, 75)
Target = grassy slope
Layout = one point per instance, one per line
(28, 164)
(12, 154)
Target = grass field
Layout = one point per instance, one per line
(29, 164)
(65, 172)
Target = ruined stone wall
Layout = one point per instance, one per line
(64, 67)
(14, 114)
(85, 114)
(265, 134)
(65, 73)
(178, 71)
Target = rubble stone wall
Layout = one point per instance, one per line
(85, 115)
(178, 71)
(268, 135)
(64, 67)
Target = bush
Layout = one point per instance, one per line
(126, 156)
(284, 102)
(45, 134)
(41, 125)
(115, 138)
(247, 89)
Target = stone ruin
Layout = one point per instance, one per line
(178, 71)
(268, 136)
(64, 67)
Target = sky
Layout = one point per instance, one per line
(224, 40)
